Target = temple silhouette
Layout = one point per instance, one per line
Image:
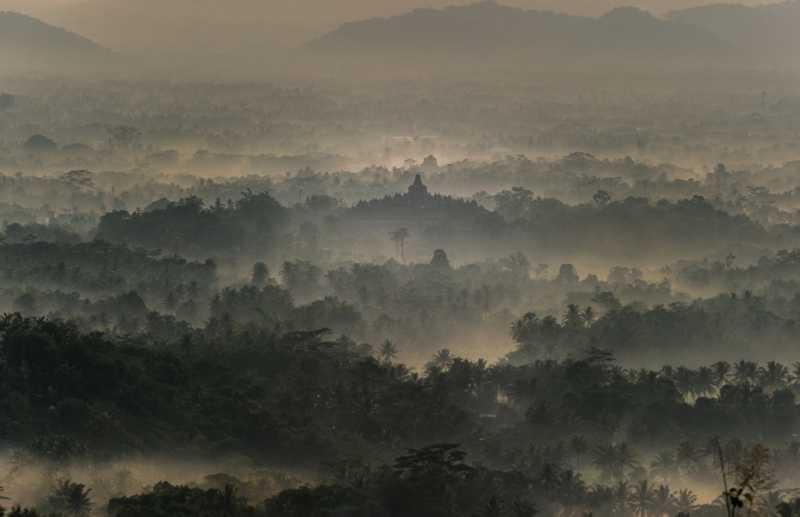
(418, 191)
(418, 206)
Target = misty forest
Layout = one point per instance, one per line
(408, 260)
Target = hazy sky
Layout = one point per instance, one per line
(226, 24)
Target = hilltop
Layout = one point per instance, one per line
(34, 41)
(489, 27)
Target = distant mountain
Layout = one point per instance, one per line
(768, 32)
(491, 27)
(33, 41)
(143, 25)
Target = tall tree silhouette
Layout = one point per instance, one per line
(399, 238)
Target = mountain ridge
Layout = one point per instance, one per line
(490, 26)
(21, 33)
(768, 32)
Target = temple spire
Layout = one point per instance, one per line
(418, 190)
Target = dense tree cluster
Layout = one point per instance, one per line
(266, 301)
(251, 226)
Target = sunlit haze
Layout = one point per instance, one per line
(399, 258)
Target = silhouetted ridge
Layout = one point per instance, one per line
(21, 33)
(766, 31)
(488, 26)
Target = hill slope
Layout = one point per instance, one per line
(31, 38)
(767, 32)
(491, 27)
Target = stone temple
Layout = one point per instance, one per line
(418, 191)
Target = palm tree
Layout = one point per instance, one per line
(442, 359)
(388, 352)
(745, 372)
(704, 383)
(588, 316)
(773, 376)
(663, 501)
(604, 460)
(684, 381)
(71, 499)
(399, 237)
(573, 319)
(613, 460)
(642, 498)
(667, 372)
(796, 375)
(685, 501)
(722, 370)
(571, 490)
(620, 495)
(526, 331)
